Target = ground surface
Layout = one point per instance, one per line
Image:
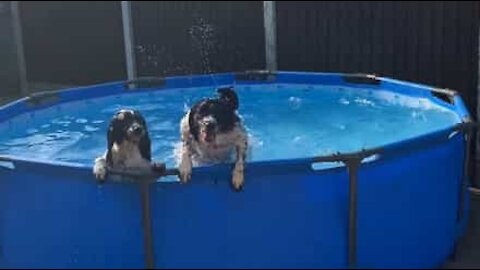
(468, 253)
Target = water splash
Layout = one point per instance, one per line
(204, 42)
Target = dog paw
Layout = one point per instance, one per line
(237, 180)
(185, 170)
(100, 172)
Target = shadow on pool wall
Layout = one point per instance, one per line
(400, 209)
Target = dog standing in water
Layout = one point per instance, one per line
(128, 145)
(212, 132)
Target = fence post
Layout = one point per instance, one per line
(476, 181)
(18, 39)
(269, 17)
(128, 39)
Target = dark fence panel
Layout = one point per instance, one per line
(429, 42)
(79, 42)
(186, 37)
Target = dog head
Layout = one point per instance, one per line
(213, 116)
(128, 125)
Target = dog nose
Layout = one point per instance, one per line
(210, 125)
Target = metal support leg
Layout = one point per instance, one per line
(352, 166)
(353, 162)
(147, 224)
(468, 130)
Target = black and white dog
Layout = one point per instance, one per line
(128, 145)
(212, 132)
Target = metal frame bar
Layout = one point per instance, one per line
(128, 39)
(18, 37)
(269, 17)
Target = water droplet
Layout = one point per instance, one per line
(32, 131)
(344, 101)
(295, 102)
(81, 121)
(90, 128)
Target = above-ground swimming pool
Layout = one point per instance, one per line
(343, 170)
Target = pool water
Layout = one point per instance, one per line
(284, 121)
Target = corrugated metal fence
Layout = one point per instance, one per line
(73, 43)
(429, 42)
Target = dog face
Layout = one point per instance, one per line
(212, 116)
(129, 126)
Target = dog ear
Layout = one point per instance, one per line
(145, 143)
(192, 125)
(110, 142)
(145, 146)
(114, 135)
(229, 97)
